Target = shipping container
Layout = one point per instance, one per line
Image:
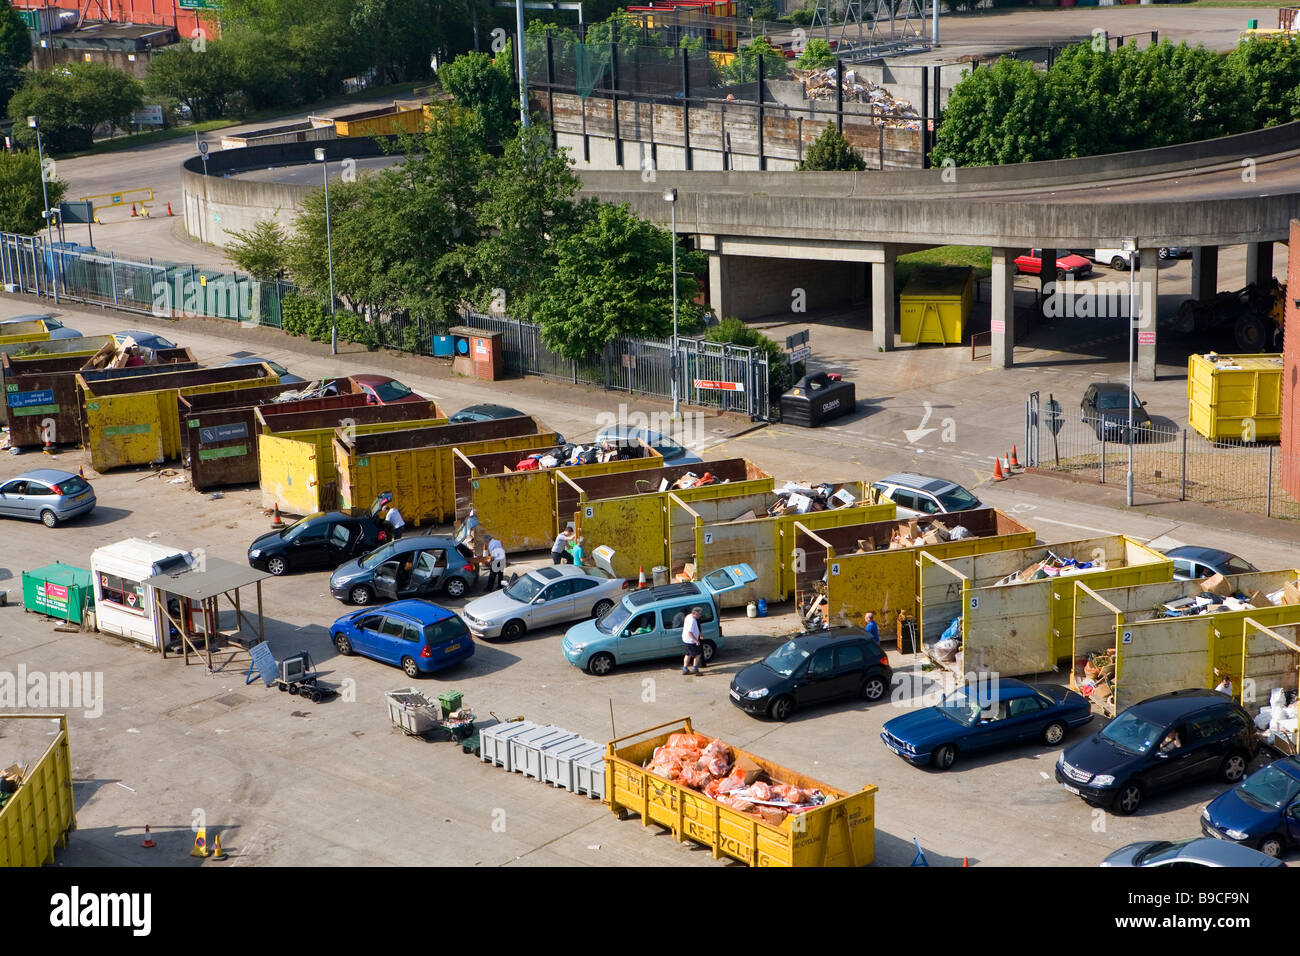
(43, 390)
(935, 305)
(861, 573)
(1156, 653)
(136, 421)
(519, 506)
(628, 512)
(42, 813)
(58, 590)
(714, 533)
(840, 832)
(1025, 627)
(416, 464)
(1237, 398)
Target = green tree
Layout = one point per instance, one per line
(744, 68)
(832, 151)
(21, 199)
(781, 375)
(203, 80)
(264, 78)
(612, 278)
(315, 40)
(71, 102)
(482, 84)
(15, 50)
(816, 55)
(401, 35)
(261, 251)
(997, 114)
(1269, 75)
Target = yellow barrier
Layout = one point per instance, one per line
(121, 199)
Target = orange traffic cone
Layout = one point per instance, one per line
(276, 521)
(1015, 461)
(997, 471)
(148, 843)
(1006, 465)
(217, 852)
(169, 210)
(965, 861)
(133, 212)
(640, 578)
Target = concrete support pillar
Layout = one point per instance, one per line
(884, 310)
(1148, 278)
(1259, 263)
(720, 297)
(1002, 308)
(1205, 273)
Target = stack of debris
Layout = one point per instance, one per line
(709, 767)
(10, 780)
(1279, 719)
(1217, 595)
(795, 498)
(1050, 567)
(129, 355)
(822, 85)
(1095, 676)
(918, 532)
(597, 453)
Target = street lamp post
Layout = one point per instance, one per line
(670, 197)
(329, 249)
(1131, 247)
(35, 124)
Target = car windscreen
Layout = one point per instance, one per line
(1130, 732)
(1163, 850)
(448, 630)
(785, 660)
(391, 391)
(960, 708)
(614, 618)
(958, 499)
(1109, 401)
(378, 556)
(524, 589)
(1271, 787)
(74, 485)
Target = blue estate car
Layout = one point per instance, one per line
(417, 636)
(1263, 811)
(997, 714)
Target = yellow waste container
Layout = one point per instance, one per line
(1236, 397)
(935, 304)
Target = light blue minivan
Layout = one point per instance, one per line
(647, 624)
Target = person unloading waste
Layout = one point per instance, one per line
(395, 521)
(497, 562)
(560, 549)
(691, 642)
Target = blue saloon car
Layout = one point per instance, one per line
(1263, 811)
(1000, 713)
(417, 636)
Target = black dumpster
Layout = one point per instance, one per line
(816, 399)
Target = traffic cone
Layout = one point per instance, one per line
(1015, 461)
(276, 521)
(148, 843)
(217, 852)
(200, 843)
(640, 578)
(1006, 465)
(48, 439)
(997, 471)
(965, 861)
(133, 212)
(169, 209)
(81, 473)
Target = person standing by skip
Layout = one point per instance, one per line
(560, 549)
(395, 521)
(496, 561)
(872, 632)
(691, 642)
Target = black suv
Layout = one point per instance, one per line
(813, 669)
(1162, 742)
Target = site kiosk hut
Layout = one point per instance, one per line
(124, 605)
(198, 591)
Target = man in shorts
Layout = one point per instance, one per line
(691, 642)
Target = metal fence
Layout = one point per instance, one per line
(66, 271)
(1168, 462)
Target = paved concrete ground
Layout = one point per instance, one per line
(287, 782)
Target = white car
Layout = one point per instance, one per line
(1117, 259)
(556, 594)
(918, 496)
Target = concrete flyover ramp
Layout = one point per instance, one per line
(1226, 191)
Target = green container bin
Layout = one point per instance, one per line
(450, 700)
(58, 590)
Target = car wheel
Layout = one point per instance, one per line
(944, 756)
(601, 608)
(48, 519)
(1054, 733)
(1118, 263)
(781, 708)
(873, 688)
(1128, 799)
(707, 650)
(1271, 845)
(1234, 766)
(600, 665)
(1164, 253)
(513, 630)
(412, 669)
(361, 594)
(454, 588)
(1060, 275)
(343, 645)
(277, 566)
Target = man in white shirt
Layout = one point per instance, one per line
(395, 521)
(497, 557)
(691, 642)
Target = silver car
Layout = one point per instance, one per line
(47, 495)
(552, 595)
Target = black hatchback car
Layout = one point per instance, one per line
(813, 669)
(322, 540)
(1163, 742)
(1104, 409)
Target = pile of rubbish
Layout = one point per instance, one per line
(795, 498)
(1098, 678)
(916, 533)
(1279, 719)
(710, 768)
(129, 355)
(1050, 567)
(11, 778)
(821, 85)
(1217, 595)
(597, 453)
